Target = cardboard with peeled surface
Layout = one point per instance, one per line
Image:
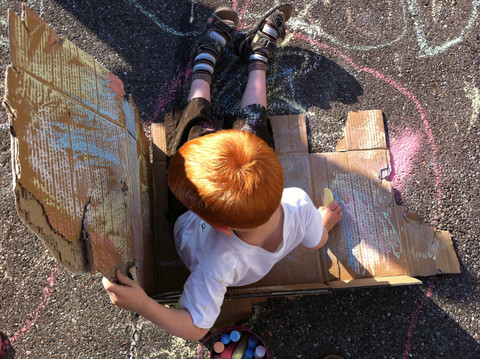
(84, 182)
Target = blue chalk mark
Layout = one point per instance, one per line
(347, 224)
(397, 236)
(157, 22)
(283, 74)
(130, 118)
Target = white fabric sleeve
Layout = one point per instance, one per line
(202, 297)
(313, 225)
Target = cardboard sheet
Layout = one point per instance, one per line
(82, 174)
(375, 238)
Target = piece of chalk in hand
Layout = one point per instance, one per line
(327, 197)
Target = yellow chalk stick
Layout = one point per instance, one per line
(327, 197)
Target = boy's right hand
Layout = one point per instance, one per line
(331, 215)
(127, 295)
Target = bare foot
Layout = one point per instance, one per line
(331, 215)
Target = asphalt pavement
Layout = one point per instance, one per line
(417, 60)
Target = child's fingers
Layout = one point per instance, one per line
(333, 206)
(123, 279)
(109, 286)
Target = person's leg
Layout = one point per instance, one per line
(195, 119)
(199, 89)
(256, 89)
(255, 49)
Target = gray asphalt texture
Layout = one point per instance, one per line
(417, 60)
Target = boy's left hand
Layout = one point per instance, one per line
(127, 295)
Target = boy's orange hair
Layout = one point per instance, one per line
(230, 178)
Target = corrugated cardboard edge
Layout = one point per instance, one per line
(77, 255)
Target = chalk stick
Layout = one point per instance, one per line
(218, 347)
(241, 346)
(260, 352)
(225, 339)
(327, 197)
(249, 353)
(229, 349)
(252, 342)
(235, 336)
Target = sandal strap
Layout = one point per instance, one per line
(261, 41)
(226, 29)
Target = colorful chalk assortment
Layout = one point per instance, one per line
(238, 345)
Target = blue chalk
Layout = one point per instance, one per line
(249, 353)
(252, 342)
(235, 336)
(225, 339)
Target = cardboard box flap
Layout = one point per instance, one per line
(373, 282)
(374, 238)
(364, 131)
(80, 157)
(291, 146)
(429, 251)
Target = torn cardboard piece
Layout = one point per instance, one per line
(82, 174)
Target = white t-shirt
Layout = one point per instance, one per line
(217, 261)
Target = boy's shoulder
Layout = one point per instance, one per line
(295, 196)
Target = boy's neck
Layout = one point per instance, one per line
(268, 235)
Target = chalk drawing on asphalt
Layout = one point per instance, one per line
(473, 93)
(3, 39)
(47, 292)
(416, 316)
(403, 152)
(418, 21)
(157, 22)
(315, 30)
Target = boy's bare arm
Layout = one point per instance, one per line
(330, 217)
(129, 295)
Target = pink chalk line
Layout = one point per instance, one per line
(167, 93)
(403, 150)
(401, 89)
(240, 14)
(416, 316)
(47, 292)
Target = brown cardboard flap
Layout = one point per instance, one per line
(364, 131)
(259, 288)
(159, 142)
(80, 158)
(371, 282)
(375, 238)
(290, 134)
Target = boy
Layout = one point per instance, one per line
(241, 221)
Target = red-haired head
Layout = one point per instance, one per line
(229, 178)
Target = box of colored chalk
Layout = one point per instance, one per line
(239, 343)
